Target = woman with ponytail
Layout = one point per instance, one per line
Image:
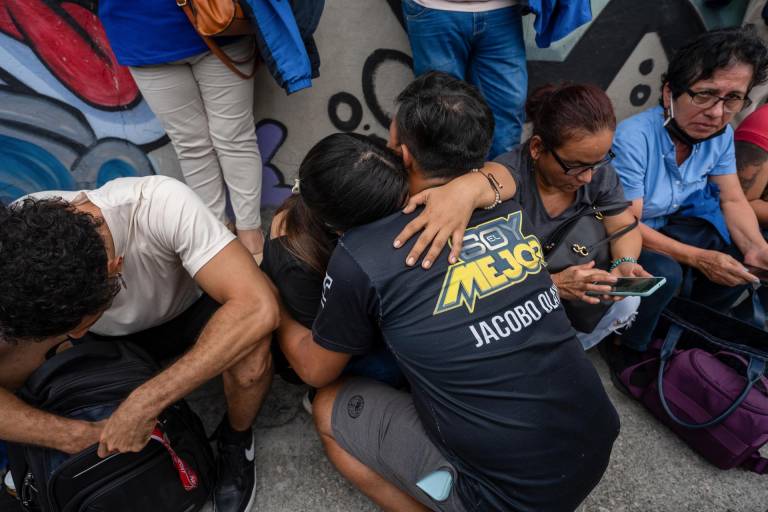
(346, 180)
(561, 169)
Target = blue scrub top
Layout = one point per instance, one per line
(144, 32)
(646, 163)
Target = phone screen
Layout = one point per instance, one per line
(636, 284)
(760, 273)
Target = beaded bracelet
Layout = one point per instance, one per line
(495, 185)
(623, 259)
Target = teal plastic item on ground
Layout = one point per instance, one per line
(437, 484)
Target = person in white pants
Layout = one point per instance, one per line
(207, 111)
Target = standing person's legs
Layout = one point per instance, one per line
(498, 67)
(228, 102)
(172, 93)
(440, 40)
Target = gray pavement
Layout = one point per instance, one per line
(650, 469)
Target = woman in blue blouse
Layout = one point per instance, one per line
(677, 160)
(206, 110)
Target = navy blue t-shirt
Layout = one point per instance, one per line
(500, 382)
(144, 32)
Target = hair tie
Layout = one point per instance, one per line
(296, 189)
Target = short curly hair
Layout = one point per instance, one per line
(711, 51)
(53, 269)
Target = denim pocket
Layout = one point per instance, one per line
(413, 10)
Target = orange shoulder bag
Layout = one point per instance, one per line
(219, 18)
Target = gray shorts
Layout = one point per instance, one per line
(379, 426)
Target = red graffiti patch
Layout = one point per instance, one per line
(70, 41)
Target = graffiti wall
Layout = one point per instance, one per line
(71, 117)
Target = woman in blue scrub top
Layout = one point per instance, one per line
(673, 158)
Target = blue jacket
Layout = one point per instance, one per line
(555, 19)
(284, 36)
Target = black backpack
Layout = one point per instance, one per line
(88, 382)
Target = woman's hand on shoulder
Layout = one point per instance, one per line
(574, 282)
(445, 217)
(447, 211)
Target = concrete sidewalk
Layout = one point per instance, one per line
(650, 469)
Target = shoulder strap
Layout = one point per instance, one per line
(563, 228)
(214, 46)
(755, 369)
(618, 233)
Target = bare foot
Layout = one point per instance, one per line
(253, 240)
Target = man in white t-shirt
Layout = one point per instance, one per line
(141, 259)
(480, 41)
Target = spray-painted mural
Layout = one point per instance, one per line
(71, 117)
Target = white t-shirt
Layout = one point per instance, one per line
(165, 234)
(466, 5)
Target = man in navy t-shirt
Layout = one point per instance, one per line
(505, 411)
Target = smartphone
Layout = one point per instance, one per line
(639, 286)
(760, 273)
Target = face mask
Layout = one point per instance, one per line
(670, 123)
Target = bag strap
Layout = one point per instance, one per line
(708, 337)
(214, 46)
(89, 351)
(755, 370)
(758, 309)
(563, 228)
(757, 318)
(720, 354)
(616, 234)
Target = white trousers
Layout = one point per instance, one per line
(207, 111)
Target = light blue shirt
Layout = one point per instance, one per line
(645, 161)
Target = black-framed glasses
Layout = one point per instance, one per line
(575, 170)
(708, 99)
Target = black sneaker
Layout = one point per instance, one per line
(236, 479)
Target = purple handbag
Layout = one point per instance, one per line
(719, 409)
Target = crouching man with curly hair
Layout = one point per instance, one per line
(141, 259)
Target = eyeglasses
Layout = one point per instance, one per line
(731, 104)
(575, 170)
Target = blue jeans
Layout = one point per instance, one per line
(638, 336)
(484, 48)
(379, 365)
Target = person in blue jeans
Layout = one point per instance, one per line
(480, 42)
